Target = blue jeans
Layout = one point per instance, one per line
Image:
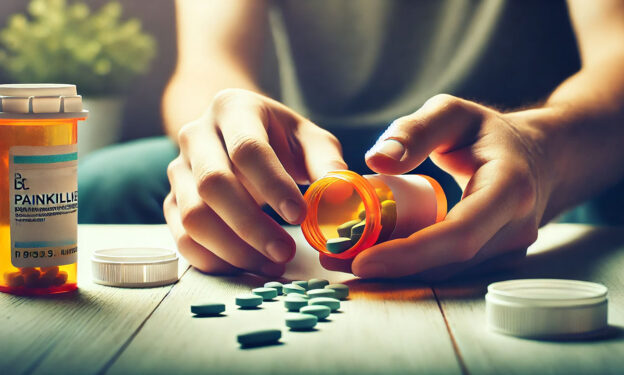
(127, 183)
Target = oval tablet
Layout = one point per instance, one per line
(265, 293)
(315, 293)
(294, 303)
(332, 303)
(317, 283)
(320, 311)
(300, 322)
(249, 300)
(292, 288)
(207, 309)
(342, 290)
(301, 283)
(260, 337)
(338, 245)
(275, 285)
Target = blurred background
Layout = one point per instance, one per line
(130, 44)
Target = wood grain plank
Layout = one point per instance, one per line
(384, 328)
(80, 332)
(562, 251)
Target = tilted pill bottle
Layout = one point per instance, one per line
(39, 188)
(376, 208)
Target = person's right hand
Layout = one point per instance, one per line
(246, 150)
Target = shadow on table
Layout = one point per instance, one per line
(594, 256)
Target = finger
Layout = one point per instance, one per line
(335, 264)
(442, 124)
(497, 194)
(243, 120)
(217, 185)
(206, 228)
(321, 150)
(197, 255)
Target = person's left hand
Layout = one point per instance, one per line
(499, 161)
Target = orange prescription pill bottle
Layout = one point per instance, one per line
(39, 188)
(348, 213)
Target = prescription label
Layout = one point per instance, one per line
(43, 189)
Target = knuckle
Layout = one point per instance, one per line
(172, 168)
(446, 103)
(245, 148)
(212, 182)
(226, 96)
(191, 216)
(185, 134)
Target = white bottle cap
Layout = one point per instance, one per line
(546, 308)
(40, 100)
(135, 267)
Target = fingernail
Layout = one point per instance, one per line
(272, 269)
(390, 148)
(291, 210)
(279, 251)
(372, 270)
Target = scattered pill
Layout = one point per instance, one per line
(320, 311)
(292, 288)
(341, 290)
(344, 230)
(316, 293)
(301, 283)
(358, 228)
(261, 337)
(266, 293)
(300, 322)
(249, 300)
(294, 303)
(208, 309)
(275, 285)
(332, 303)
(317, 283)
(338, 245)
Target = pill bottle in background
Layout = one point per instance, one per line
(39, 188)
(348, 213)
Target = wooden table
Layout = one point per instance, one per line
(400, 327)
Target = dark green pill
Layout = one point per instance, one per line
(338, 245)
(317, 284)
(266, 293)
(261, 337)
(208, 309)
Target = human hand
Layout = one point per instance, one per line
(502, 169)
(246, 150)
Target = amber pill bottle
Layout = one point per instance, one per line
(343, 196)
(39, 188)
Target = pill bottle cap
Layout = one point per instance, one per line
(546, 308)
(135, 267)
(40, 100)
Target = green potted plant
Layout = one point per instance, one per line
(61, 41)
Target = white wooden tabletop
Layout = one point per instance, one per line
(385, 327)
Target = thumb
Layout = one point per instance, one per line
(322, 151)
(442, 124)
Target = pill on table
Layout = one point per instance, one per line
(341, 290)
(332, 303)
(301, 283)
(207, 309)
(320, 311)
(275, 285)
(344, 230)
(300, 322)
(338, 245)
(316, 293)
(292, 288)
(260, 337)
(294, 303)
(249, 300)
(266, 293)
(317, 283)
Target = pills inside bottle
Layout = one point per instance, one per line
(38, 188)
(348, 213)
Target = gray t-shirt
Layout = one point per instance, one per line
(366, 62)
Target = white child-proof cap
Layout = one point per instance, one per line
(135, 267)
(40, 100)
(546, 308)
